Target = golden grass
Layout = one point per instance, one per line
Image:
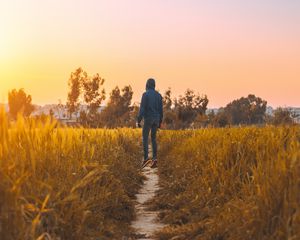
(239, 183)
(63, 183)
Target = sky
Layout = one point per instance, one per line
(225, 49)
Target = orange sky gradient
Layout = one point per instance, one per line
(225, 49)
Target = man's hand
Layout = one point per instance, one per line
(138, 125)
(160, 125)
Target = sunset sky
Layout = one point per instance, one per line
(223, 48)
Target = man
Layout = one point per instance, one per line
(151, 110)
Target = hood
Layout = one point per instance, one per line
(150, 84)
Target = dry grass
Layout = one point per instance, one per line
(241, 183)
(60, 183)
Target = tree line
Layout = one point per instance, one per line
(186, 111)
(119, 110)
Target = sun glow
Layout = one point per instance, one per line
(4, 46)
(217, 49)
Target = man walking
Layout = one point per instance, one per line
(151, 110)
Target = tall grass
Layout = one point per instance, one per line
(241, 183)
(63, 183)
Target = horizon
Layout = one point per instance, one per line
(104, 104)
(224, 50)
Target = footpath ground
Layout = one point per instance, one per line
(147, 221)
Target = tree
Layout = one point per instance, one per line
(167, 100)
(170, 117)
(94, 94)
(75, 83)
(200, 121)
(282, 116)
(246, 110)
(118, 109)
(221, 119)
(133, 113)
(19, 103)
(189, 106)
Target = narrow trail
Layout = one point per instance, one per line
(147, 223)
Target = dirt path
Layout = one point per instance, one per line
(147, 222)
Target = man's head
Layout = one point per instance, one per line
(150, 84)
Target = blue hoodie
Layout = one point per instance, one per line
(151, 105)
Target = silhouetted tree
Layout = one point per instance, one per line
(94, 94)
(221, 119)
(75, 83)
(83, 118)
(170, 117)
(210, 118)
(133, 115)
(249, 110)
(19, 103)
(189, 106)
(167, 100)
(201, 120)
(118, 109)
(282, 116)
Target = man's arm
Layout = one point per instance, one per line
(161, 113)
(142, 109)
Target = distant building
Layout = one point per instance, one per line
(212, 110)
(296, 113)
(60, 112)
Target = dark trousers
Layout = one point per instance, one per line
(150, 125)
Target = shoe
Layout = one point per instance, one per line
(145, 163)
(154, 164)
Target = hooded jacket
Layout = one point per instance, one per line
(151, 105)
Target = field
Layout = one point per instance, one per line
(60, 183)
(238, 183)
(64, 183)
